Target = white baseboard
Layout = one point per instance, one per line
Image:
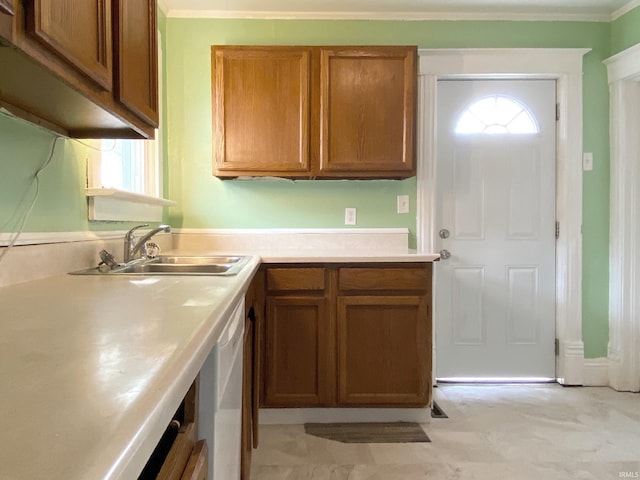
(297, 416)
(596, 372)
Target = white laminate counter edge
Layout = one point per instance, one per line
(179, 381)
(95, 367)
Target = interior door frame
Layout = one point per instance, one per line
(565, 66)
(623, 72)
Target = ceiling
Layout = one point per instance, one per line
(594, 10)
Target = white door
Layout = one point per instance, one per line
(495, 295)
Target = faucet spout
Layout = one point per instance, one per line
(133, 247)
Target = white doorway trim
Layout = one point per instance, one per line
(565, 66)
(623, 70)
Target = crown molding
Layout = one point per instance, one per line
(162, 6)
(407, 16)
(626, 8)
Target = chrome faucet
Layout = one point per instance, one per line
(132, 247)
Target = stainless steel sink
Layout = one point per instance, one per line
(177, 265)
(188, 260)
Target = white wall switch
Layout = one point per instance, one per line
(403, 203)
(587, 161)
(349, 216)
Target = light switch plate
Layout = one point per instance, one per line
(403, 203)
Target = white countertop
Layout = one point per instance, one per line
(92, 368)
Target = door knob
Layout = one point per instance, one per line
(444, 233)
(445, 254)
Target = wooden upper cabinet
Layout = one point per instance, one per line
(136, 68)
(81, 68)
(314, 112)
(367, 110)
(79, 31)
(7, 7)
(261, 110)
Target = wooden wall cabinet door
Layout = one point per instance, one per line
(367, 111)
(7, 7)
(79, 31)
(261, 110)
(136, 67)
(382, 350)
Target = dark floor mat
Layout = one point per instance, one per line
(393, 432)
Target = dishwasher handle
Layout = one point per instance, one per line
(230, 332)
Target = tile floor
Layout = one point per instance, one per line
(515, 432)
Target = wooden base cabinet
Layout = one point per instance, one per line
(359, 336)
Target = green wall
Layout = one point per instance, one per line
(625, 31)
(61, 205)
(205, 201)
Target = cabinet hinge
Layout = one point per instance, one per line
(557, 112)
(557, 347)
(557, 230)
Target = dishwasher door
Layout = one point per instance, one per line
(228, 407)
(220, 400)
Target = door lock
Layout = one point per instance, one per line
(444, 233)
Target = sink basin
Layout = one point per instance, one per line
(184, 260)
(178, 269)
(177, 265)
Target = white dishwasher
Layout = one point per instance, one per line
(220, 416)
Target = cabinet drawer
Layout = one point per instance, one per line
(295, 279)
(384, 278)
(198, 464)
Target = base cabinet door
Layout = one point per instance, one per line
(297, 352)
(382, 350)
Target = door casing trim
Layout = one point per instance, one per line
(623, 72)
(565, 66)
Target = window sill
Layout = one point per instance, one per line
(109, 204)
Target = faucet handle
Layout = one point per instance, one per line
(142, 225)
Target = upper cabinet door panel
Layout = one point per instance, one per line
(367, 110)
(261, 109)
(7, 7)
(137, 57)
(77, 30)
